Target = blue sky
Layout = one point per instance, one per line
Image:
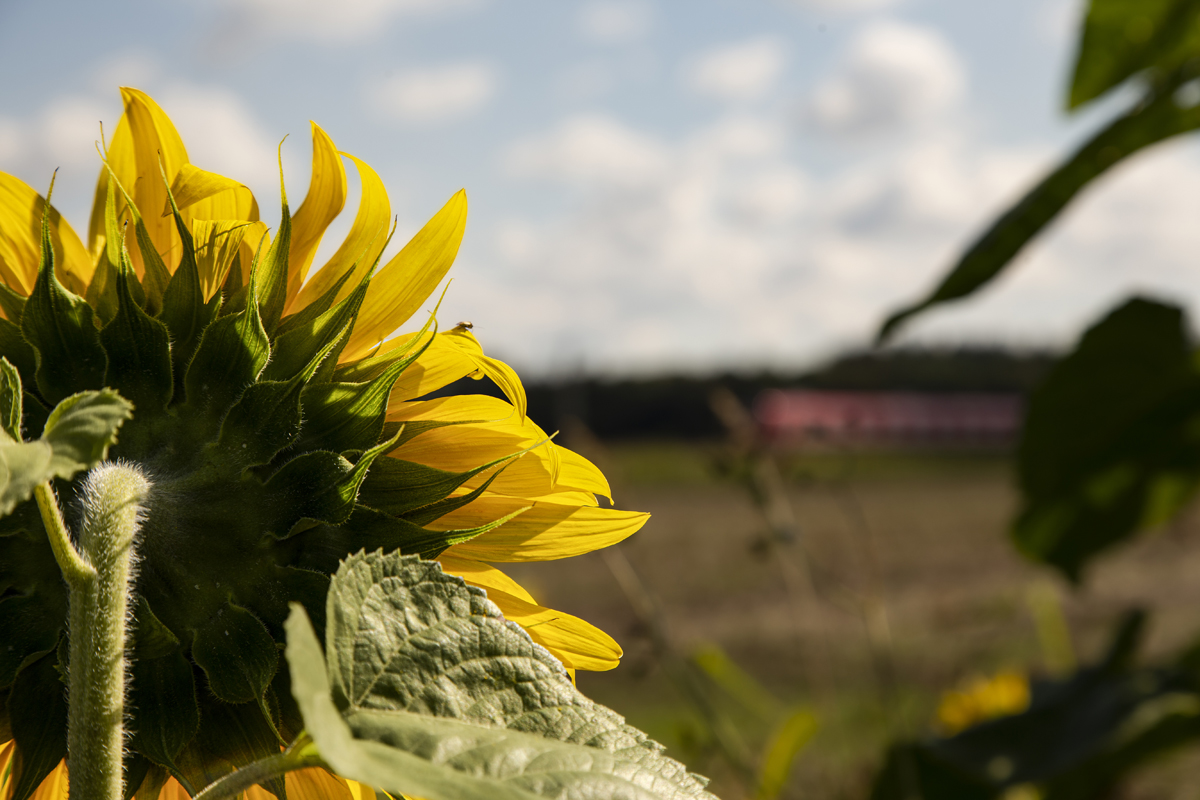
(677, 185)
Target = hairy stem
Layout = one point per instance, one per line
(100, 610)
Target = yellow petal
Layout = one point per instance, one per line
(492, 430)
(54, 786)
(576, 472)
(361, 246)
(543, 533)
(145, 144)
(405, 282)
(200, 194)
(173, 790)
(21, 241)
(315, 784)
(441, 364)
(502, 374)
(217, 243)
(325, 200)
(576, 643)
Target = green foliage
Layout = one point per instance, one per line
(1110, 442)
(424, 689)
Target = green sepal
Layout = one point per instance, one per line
(11, 303)
(320, 485)
(102, 291)
(14, 347)
(184, 311)
(266, 418)
(271, 289)
(296, 348)
(29, 629)
(163, 694)
(397, 487)
(427, 514)
(138, 347)
(346, 416)
(152, 639)
(156, 275)
(37, 710)
(60, 326)
(135, 769)
(306, 316)
(11, 406)
(237, 653)
(230, 357)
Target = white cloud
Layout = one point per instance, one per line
(615, 21)
(332, 22)
(847, 6)
(436, 94)
(894, 75)
(742, 71)
(590, 150)
(69, 129)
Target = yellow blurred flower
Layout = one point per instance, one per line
(981, 699)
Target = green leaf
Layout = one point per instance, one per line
(429, 692)
(60, 327)
(81, 429)
(1122, 38)
(37, 707)
(11, 394)
(1142, 126)
(23, 466)
(1108, 445)
(237, 653)
(138, 347)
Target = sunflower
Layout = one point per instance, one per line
(282, 425)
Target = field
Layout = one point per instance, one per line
(901, 584)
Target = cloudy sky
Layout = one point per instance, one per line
(693, 185)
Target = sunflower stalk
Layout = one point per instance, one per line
(100, 585)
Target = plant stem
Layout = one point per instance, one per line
(99, 614)
(260, 771)
(74, 568)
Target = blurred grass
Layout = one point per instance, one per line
(914, 588)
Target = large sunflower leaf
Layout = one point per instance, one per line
(1109, 445)
(428, 691)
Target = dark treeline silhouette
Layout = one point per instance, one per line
(673, 407)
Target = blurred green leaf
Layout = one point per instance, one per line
(1144, 125)
(1124, 37)
(1110, 444)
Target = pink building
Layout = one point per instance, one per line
(799, 416)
